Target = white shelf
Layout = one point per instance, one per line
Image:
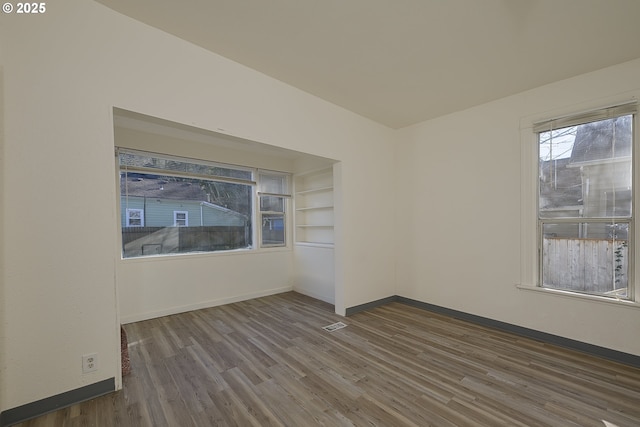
(311, 208)
(315, 190)
(315, 244)
(327, 171)
(314, 208)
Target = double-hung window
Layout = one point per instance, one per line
(273, 194)
(181, 218)
(134, 218)
(585, 202)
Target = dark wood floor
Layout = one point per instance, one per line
(268, 362)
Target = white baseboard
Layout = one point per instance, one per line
(315, 295)
(197, 306)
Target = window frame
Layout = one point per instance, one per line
(254, 183)
(285, 195)
(531, 236)
(186, 218)
(128, 211)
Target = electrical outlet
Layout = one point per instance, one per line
(89, 363)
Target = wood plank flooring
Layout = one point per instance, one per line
(267, 362)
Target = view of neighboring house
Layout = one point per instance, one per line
(168, 215)
(602, 152)
(590, 177)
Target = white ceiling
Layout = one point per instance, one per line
(400, 62)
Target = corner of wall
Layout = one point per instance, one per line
(3, 343)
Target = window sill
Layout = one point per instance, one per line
(315, 244)
(574, 295)
(192, 255)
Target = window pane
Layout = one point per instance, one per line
(183, 215)
(585, 173)
(182, 166)
(272, 204)
(181, 219)
(588, 257)
(135, 218)
(273, 220)
(273, 230)
(274, 183)
(585, 170)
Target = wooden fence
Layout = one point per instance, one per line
(138, 241)
(585, 265)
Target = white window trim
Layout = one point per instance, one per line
(286, 195)
(586, 297)
(175, 218)
(128, 217)
(529, 257)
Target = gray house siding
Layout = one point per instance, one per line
(209, 228)
(160, 212)
(219, 216)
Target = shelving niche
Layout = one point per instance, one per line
(314, 208)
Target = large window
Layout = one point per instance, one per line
(273, 194)
(172, 205)
(585, 202)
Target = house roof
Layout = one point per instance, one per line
(602, 140)
(596, 142)
(161, 187)
(183, 189)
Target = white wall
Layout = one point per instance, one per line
(3, 342)
(314, 272)
(454, 240)
(460, 244)
(205, 148)
(64, 71)
(153, 287)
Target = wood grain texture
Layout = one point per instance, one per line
(268, 362)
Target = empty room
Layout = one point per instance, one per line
(294, 212)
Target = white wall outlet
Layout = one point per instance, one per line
(89, 363)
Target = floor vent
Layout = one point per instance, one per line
(334, 327)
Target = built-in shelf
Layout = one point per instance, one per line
(315, 244)
(315, 190)
(310, 208)
(314, 208)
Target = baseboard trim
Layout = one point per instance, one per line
(603, 352)
(53, 403)
(138, 317)
(369, 305)
(323, 298)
